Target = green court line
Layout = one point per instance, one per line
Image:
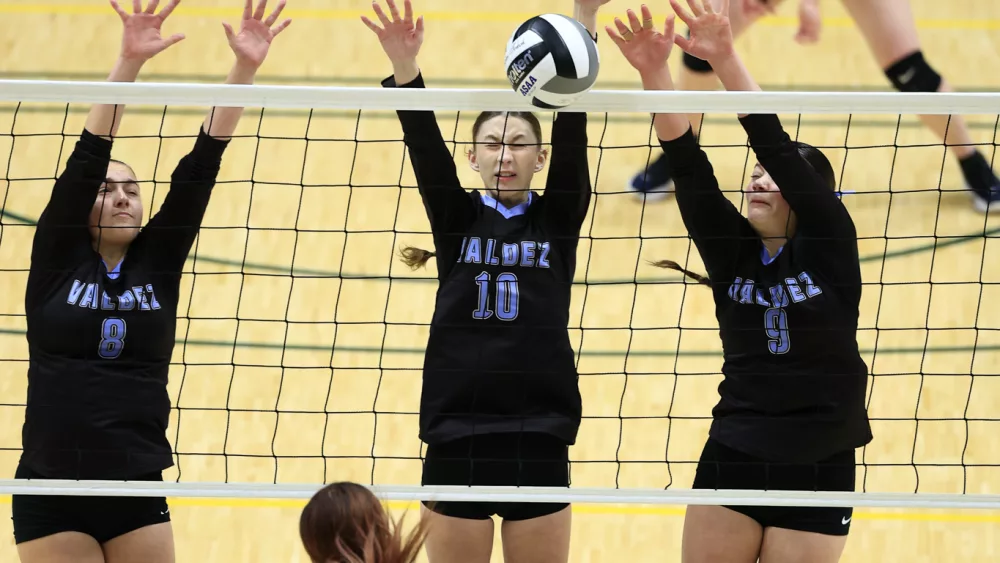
(245, 266)
(588, 353)
(24, 220)
(910, 122)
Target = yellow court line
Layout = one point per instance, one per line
(39, 8)
(915, 515)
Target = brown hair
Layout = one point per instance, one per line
(345, 523)
(820, 164)
(417, 257)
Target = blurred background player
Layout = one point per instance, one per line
(101, 304)
(891, 34)
(786, 281)
(346, 523)
(500, 402)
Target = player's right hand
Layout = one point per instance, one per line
(400, 37)
(645, 48)
(141, 39)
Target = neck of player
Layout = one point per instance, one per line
(111, 253)
(509, 198)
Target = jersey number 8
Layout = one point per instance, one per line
(507, 297)
(112, 338)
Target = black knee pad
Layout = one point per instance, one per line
(694, 63)
(913, 74)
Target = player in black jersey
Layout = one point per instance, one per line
(891, 35)
(500, 403)
(787, 286)
(101, 304)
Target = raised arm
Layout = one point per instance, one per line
(568, 189)
(171, 232)
(820, 212)
(62, 226)
(449, 207)
(713, 221)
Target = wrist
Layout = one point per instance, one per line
(126, 69)
(656, 78)
(405, 71)
(242, 73)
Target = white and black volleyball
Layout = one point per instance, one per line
(551, 60)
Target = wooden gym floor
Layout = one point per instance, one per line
(235, 397)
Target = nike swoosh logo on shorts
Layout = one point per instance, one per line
(845, 521)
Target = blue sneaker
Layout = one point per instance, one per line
(653, 183)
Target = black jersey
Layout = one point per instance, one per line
(794, 381)
(100, 343)
(498, 356)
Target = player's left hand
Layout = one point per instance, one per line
(810, 22)
(711, 33)
(645, 48)
(256, 33)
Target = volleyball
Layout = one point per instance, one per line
(551, 60)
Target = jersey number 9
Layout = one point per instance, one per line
(112, 338)
(507, 297)
(776, 326)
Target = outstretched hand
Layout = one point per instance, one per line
(141, 39)
(711, 34)
(400, 37)
(253, 41)
(645, 48)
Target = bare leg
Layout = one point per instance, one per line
(793, 546)
(654, 181)
(540, 540)
(891, 34)
(715, 534)
(457, 540)
(149, 544)
(64, 547)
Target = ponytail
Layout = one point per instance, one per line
(671, 265)
(415, 257)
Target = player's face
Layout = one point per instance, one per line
(507, 155)
(767, 211)
(117, 211)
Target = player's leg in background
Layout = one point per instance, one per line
(539, 540)
(457, 540)
(716, 534)
(654, 181)
(792, 546)
(891, 33)
(64, 547)
(150, 544)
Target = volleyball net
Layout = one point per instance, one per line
(300, 334)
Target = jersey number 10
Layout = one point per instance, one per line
(507, 297)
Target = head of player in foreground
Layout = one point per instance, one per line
(117, 213)
(507, 153)
(766, 210)
(346, 523)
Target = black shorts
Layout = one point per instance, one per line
(521, 460)
(721, 467)
(102, 518)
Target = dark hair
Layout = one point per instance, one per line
(417, 257)
(125, 164)
(819, 163)
(345, 523)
